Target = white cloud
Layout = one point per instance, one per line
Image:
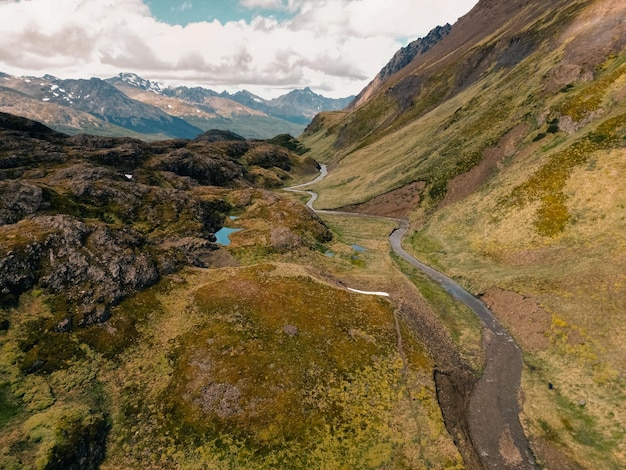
(267, 4)
(332, 45)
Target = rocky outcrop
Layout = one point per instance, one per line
(93, 266)
(202, 168)
(401, 59)
(17, 200)
(405, 55)
(83, 446)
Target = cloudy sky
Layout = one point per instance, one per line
(265, 46)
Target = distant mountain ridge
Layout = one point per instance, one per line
(129, 105)
(298, 106)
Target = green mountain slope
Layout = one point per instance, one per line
(505, 145)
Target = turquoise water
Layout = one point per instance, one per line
(233, 217)
(330, 254)
(223, 233)
(359, 248)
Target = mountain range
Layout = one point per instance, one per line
(128, 105)
(130, 337)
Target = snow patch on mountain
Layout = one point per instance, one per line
(138, 82)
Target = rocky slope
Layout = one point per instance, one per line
(401, 59)
(94, 220)
(503, 144)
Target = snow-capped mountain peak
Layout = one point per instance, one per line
(138, 82)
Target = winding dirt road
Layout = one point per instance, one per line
(493, 410)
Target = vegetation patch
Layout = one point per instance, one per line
(10, 406)
(584, 99)
(278, 331)
(546, 185)
(277, 369)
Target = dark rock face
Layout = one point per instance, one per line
(401, 59)
(17, 269)
(94, 266)
(17, 200)
(405, 55)
(202, 168)
(269, 157)
(84, 445)
(218, 135)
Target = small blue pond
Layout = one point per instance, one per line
(359, 248)
(233, 217)
(223, 233)
(330, 254)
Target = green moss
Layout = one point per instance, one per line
(248, 386)
(51, 351)
(60, 203)
(66, 436)
(10, 405)
(122, 330)
(43, 349)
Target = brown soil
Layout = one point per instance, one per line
(522, 316)
(552, 458)
(467, 183)
(397, 203)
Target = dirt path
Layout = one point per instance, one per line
(497, 439)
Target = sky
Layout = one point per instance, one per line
(268, 47)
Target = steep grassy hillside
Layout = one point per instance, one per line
(512, 131)
(434, 119)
